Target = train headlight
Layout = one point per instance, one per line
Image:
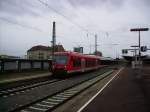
(53, 67)
(65, 67)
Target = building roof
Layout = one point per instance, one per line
(47, 48)
(59, 48)
(40, 47)
(76, 54)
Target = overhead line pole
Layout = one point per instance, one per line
(53, 39)
(95, 44)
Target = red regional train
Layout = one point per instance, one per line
(72, 62)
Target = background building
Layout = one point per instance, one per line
(59, 48)
(98, 53)
(42, 52)
(9, 57)
(78, 49)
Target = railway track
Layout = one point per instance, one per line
(20, 98)
(51, 102)
(24, 88)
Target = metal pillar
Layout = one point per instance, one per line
(53, 40)
(139, 48)
(95, 44)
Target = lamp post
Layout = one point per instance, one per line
(135, 53)
(116, 53)
(139, 30)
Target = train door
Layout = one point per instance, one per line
(82, 64)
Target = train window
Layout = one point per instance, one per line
(99, 62)
(76, 62)
(90, 63)
(60, 59)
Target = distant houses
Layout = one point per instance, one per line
(43, 52)
(78, 49)
(9, 57)
(40, 52)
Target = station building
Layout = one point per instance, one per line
(43, 52)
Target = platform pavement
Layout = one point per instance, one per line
(13, 77)
(129, 91)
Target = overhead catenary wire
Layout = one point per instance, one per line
(19, 24)
(47, 5)
(68, 19)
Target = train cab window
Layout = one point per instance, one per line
(60, 59)
(76, 62)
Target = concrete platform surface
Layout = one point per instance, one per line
(12, 77)
(129, 91)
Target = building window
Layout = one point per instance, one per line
(48, 57)
(30, 56)
(41, 55)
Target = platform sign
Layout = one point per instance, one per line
(143, 48)
(139, 29)
(124, 51)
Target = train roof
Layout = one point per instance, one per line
(77, 54)
(106, 58)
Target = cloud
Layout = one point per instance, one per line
(17, 7)
(97, 16)
(97, 3)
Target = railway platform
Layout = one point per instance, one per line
(22, 76)
(129, 91)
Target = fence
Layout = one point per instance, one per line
(19, 65)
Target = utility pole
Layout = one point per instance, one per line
(90, 48)
(95, 44)
(53, 40)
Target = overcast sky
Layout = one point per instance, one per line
(26, 23)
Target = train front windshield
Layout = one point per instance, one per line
(60, 59)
